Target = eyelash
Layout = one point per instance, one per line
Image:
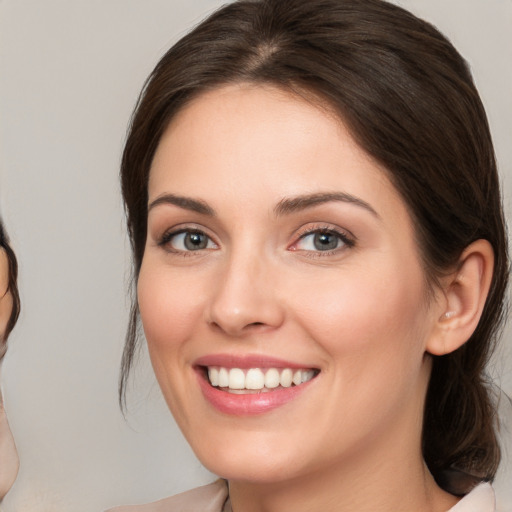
(347, 240)
(168, 236)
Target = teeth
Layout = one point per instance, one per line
(213, 375)
(223, 378)
(254, 379)
(237, 379)
(272, 378)
(286, 378)
(307, 375)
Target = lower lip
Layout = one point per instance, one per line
(251, 403)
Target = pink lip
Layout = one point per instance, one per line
(251, 403)
(246, 361)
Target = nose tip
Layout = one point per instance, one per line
(236, 328)
(235, 324)
(243, 303)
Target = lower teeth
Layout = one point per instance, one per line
(251, 391)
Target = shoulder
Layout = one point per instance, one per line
(208, 498)
(480, 499)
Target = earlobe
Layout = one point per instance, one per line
(465, 292)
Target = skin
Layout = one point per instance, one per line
(5, 296)
(360, 314)
(9, 462)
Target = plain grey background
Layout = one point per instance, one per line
(70, 72)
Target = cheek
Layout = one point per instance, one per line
(372, 332)
(368, 312)
(169, 308)
(170, 311)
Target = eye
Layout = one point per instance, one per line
(187, 240)
(322, 240)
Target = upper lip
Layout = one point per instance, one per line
(247, 361)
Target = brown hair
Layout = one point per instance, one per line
(409, 100)
(12, 287)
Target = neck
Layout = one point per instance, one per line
(387, 490)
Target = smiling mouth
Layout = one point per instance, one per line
(257, 380)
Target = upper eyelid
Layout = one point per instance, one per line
(187, 229)
(184, 227)
(326, 227)
(159, 223)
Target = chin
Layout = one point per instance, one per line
(257, 457)
(249, 470)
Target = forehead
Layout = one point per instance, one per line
(256, 144)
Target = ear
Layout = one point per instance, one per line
(464, 293)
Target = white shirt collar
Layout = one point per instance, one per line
(480, 499)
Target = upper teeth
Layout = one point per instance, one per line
(256, 378)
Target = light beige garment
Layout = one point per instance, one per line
(9, 462)
(8, 455)
(208, 498)
(480, 499)
(214, 498)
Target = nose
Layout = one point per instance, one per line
(245, 298)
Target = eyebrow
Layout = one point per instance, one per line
(187, 203)
(303, 202)
(285, 206)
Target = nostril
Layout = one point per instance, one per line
(255, 326)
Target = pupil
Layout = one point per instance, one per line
(195, 241)
(325, 241)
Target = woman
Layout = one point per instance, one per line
(9, 311)
(320, 259)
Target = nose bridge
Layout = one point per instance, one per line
(244, 297)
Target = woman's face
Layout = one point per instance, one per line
(280, 258)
